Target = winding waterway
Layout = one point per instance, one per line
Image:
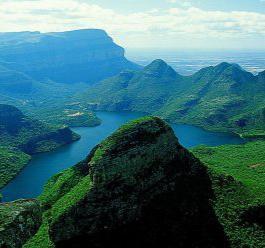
(29, 183)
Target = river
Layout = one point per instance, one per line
(29, 183)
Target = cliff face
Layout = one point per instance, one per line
(138, 188)
(68, 57)
(19, 221)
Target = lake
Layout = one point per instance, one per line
(29, 183)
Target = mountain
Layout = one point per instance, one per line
(87, 55)
(223, 97)
(138, 188)
(146, 90)
(141, 188)
(30, 136)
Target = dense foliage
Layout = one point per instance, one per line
(11, 162)
(19, 221)
(139, 180)
(223, 97)
(20, 136)
(238, 174)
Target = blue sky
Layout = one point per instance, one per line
(161, 24)
(129, 6)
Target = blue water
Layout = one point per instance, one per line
(29, 183)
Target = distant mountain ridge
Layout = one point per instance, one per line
(87, 55)
(223, 97)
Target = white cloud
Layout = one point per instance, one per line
(161, 26)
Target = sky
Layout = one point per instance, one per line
(159, 24)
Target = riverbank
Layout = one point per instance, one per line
(30, 181)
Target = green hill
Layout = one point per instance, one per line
(141, 181)
(138, 181)
(29, 135)
(11, 163)
(21, 136)
(223, 97)
(237, 173)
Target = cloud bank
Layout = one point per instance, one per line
(175, 27)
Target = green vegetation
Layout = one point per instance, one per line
(221, 98)
(42, 102)
(29, 135)
(21, 136)
(11, 162)
(67, 114)
(19, 221)
(238, 174)
(105, 191)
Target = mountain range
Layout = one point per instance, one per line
(223, 97)
(35, 66)
(87, 55)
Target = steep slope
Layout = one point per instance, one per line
(138, 188)
(145, 91)
(20, 219)
(238, 183)
(215, 94)
(223, 97)
(68, 57)
(30, 136)
(11, 163)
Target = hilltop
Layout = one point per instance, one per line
(138, 188)
(223, 97)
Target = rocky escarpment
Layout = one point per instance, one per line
(138, 188)
(68, 57)
(18, 221)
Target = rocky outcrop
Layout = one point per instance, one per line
(138, 188)
(86, 55)
(18, 222)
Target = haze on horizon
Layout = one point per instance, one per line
(163, 24)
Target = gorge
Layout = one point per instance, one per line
(43, 166)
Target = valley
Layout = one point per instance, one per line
(95, 148)
(43, 166)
